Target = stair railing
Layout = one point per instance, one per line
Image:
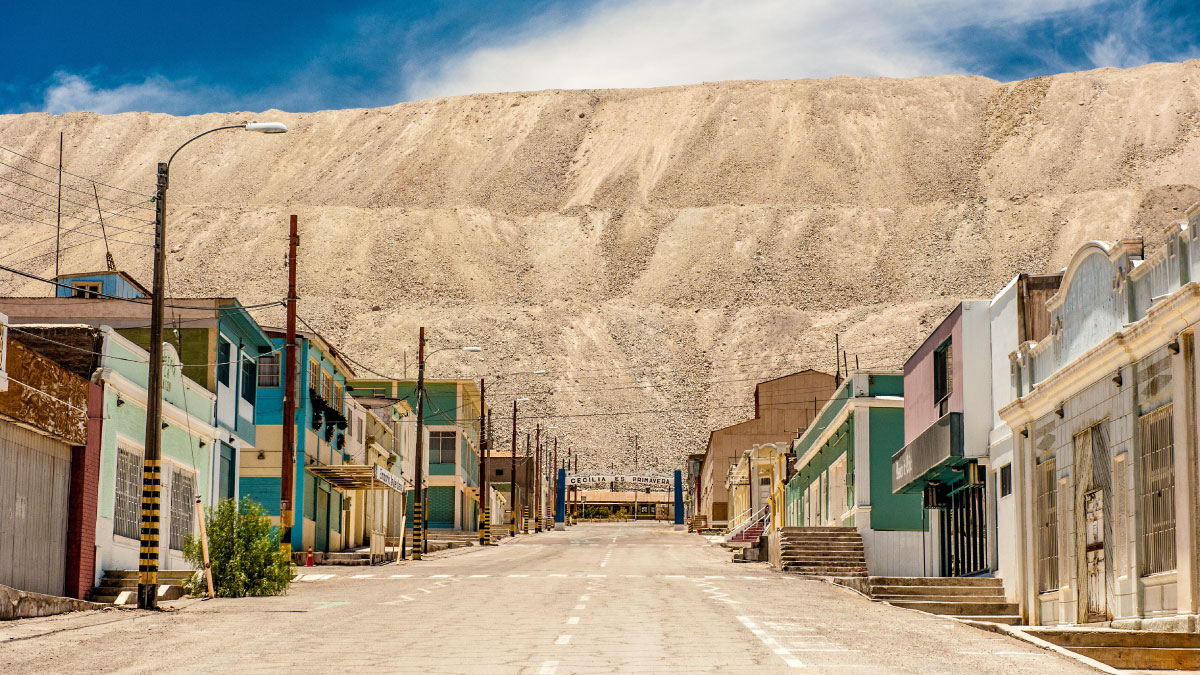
(763, 515)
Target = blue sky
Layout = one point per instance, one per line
(303, 56)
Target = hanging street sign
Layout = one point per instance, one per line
(628, 479)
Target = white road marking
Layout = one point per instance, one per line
(424, 590)
(548, 668)
(580, 606)
(401, 576)
(675, 576)
(563, 640)
(480, 576)
(604, 564)
(362, 576)
(584, 598)
(572, 620)
(771, 643)
(597, 576)
(441, 576)
(556, 575)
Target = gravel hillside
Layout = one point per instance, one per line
(655, 250)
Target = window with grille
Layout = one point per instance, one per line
(126, 509)
(1156, 491)
(441, 447)
(183, 492)
(1047, 527)
(269, 370)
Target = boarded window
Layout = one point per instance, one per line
(183, 492)
(1156, 491)
(1047, 527)
(126, 510)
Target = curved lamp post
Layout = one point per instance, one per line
(151, 473)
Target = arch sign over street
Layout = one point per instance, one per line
(661, 482)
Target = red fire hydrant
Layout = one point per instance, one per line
(308, 563)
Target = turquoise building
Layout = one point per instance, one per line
(843, 474)
(322, 434)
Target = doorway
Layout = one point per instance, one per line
(964, 532)
(322, 534)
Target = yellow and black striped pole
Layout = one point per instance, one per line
(485, 527)
(525, 521)
(418, 529)
(148, 558)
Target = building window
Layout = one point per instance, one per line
(339, 397)
(86, 289)
(1047, 527)
(1006, 480)
(1156, 491)
(327, 387)
(269, 370)
(499, 472)
(943, 376)
(441, 447)
(359, 435)
(314, 377)
(223, 358)
(183, 492)
(249, 379)
(127, 508)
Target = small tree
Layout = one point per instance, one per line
(243, 549)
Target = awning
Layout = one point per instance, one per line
(358, 477)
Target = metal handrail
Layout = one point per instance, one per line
(758, 516)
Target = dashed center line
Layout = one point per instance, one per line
(580, 606)
(584, 598)
(548, 668)
(563, 640)
(572, 620)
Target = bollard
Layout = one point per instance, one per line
(309, 563)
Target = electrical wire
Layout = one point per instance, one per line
(70, 201)
(93, 236)
(84, 178)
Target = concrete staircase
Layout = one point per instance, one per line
(1128, 649)
(456, 538)
(114, 582)
(749, 534)
(976, 598)
(822, 551)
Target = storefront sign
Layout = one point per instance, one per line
(388, 478)
(939, 443)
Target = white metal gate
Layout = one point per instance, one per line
(35, 483)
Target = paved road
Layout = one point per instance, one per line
(619, 598)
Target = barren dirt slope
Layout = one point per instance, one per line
(656, 250)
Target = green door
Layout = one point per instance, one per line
(441, 507)
(322, 543)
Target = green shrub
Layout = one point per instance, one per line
(243, 550)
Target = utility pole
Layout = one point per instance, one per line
(554, 480)
(531, 481)
(635, 472)
(485, 536)
(512, 484)
(58, 222)
(576, 472)
(419, 497)
(537, 479)
(287, 469)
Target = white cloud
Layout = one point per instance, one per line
(69, 92)
(645, 43)
(1122, 46)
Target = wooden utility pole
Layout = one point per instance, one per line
(537, 479)
(58, 222)
(287, 467)
(485, 535)
(418, 488)
(512, 483)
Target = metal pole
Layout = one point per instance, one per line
(151, 475)
(554, 479)
(575, 470)
(635, 471)
(418, 497)
(287, 469)
(537, 480)
(529, 485)
(512, 484)
(485, 536)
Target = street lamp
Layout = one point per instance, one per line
(419, 485)
(151, 472)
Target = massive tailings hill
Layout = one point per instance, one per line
(658, 251)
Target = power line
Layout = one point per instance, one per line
(71, 201)
(86, 221)
(76, 230)
(84, 178)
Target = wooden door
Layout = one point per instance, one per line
(1097, 596)
(322, 535)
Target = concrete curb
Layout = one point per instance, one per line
(998, 628)
(18, 604)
